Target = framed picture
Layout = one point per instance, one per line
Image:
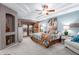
(52, 24)
(74, 25)
(52, 20)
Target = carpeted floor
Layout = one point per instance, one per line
(28, 47)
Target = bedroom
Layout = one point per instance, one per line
(47, 29)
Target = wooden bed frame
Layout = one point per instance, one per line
(51, 42)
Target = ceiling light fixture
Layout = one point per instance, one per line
(45, 10)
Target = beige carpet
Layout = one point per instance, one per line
(28, 47)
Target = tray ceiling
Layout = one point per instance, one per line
(28, 10)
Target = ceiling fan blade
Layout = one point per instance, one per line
(38, 10)
(51, 10)
(40, 13)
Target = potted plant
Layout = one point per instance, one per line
(65, 32)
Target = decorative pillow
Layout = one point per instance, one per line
(78, 33)
(45, 36)
(45, 42)
(76, 38)
(53, 36)
(37, 36)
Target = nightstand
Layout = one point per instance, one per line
(63, 37)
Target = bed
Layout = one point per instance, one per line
(42, 39)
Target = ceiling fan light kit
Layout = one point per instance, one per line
(45, 10)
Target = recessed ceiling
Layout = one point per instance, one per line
(28, 10)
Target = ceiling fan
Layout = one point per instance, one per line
(45, 10)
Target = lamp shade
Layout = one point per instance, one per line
(66, 27)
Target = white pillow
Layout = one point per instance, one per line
(78, 33)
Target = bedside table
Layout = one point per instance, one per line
(63, 37)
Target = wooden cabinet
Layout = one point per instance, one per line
(37, 27)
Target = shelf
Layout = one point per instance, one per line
(10, 33)
(10, 39)
(10, 23)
